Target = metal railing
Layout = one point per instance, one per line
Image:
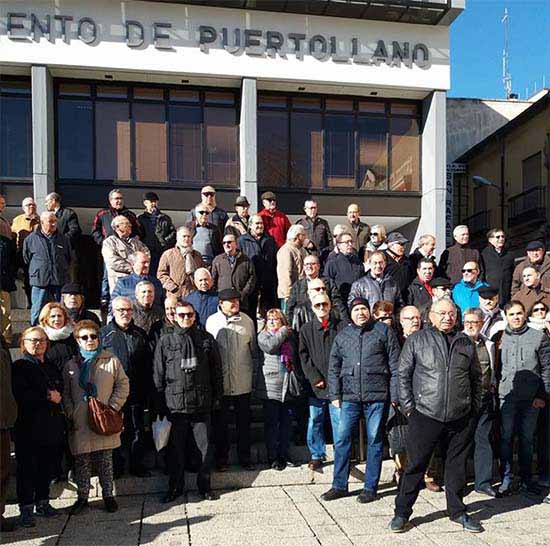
(527, 207)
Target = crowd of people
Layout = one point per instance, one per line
(445, 360)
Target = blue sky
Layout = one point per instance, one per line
(477, 41)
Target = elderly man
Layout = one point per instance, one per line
(466, 292)
(537, 258)
(376, 284)
(339, 229)
(303, 313)
(424, 250)
(67, 220)
(398, 266)
(238, 223)
(316, 339)
(276, 223)
(483, 450)
(178, 265)
(207, 240)
(362, 380)
(204, 299)
(126, 286)
(146, 311)
(48, 255)
(72, 297)
(261, 249)
(128, 342)
(215, 215)
(157, 230)
(494, 321)
(440, 391)
(290, 263)
(360, 232)
(420, 293)
(453, 258)
(523, 390)
(165, 325)
(23, 225)
(7, 272)
(117, 249)
(532, 290)
(188, 356)
(498, 264)
(236, 337)
(318, 237)
(233, 269)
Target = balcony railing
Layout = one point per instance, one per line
(478, 223)
(528, 207)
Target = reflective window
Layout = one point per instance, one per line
(405, 155)
(150, 143)
(222, 151)
(75, 143)
(273, 148)
(306, 145)
(186, 150)
(340, 151)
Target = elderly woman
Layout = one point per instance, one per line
(118, 248)
(280, 357)
(377, 239)
(93, 372)
(537, 316)
(40, 425)
(62, 346)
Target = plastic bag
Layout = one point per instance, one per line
(161, 432)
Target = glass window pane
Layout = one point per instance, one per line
(273, 148)
(373, 156)
(150, 144)
(15, 137)
(404, 108)
(222, 150)
(306, 143)
(272, 101)
(405, 155)
(19, 87)
(112, 91)
(219, 97)
(184, 95)
(75, 139)
(74, 89)
(148, 93)
(308, 103)
(372, 107)
(339, 151)
(185, 143)
(339, 104)
(112, 134)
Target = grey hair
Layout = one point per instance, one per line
(339, 229)
(309, 202)
(141, 284)
(381, 228)
(294, 231)
(47, 214)
(115, 191)
(132, 258)
(444, 299)
(118, 217)
(474, 311)
(201, 270)
(29, 199)
(424, 239)
(121, 298)
(459, 228)
(407, 308)
(55, 196)
(189, 230)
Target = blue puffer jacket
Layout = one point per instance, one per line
(205, 304)
(363, 364)
(466, 294)
(48, 258)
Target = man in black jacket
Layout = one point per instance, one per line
(362, 379)
(67, 220)
(72, 297)
(420, 293)
(398, 266)
(440, 392)
(319, 238)
(129, 344)
(157, 230)
(499, 264)
(316, 338)
(189, 380)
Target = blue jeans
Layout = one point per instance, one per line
(316, 426)
(350, 413)
(518, 417)
(40, 297)
(105, 292)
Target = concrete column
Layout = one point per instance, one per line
(248, 143)
(42, 134)
(434, 165)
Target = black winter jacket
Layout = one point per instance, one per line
(439, 380)
(7, 264)
(68, 225)
(194, 390)
(101, 226)
(263, 255)
(344, 270)
(499, 269)
(131, 347)
(61, 351)
(373, 291)
(318, 232)
(363, 364)
(414, 260)
(314, 349)
(400, 272)
(157, 237)
(419, 296)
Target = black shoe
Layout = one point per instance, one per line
(488, 490)
(6, 525)
(468, 524)
(140, 473)
(111, 504)
(278, 465)
(292, 463)
(366, 496)
(208, 495)
(333, 494)
(248, 466)
(78, 507)
(171, 496)
(398, 524)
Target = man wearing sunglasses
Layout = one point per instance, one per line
(466, 292)
(532, 291)
(208, 237)
(499, 264)
(189, 381)
(215, 215)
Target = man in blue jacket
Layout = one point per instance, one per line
(362, 379)
(204, 300)
(466, 292)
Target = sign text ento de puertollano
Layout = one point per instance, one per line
(270, 43)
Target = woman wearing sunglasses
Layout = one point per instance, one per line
(93, 372)
(537, 316)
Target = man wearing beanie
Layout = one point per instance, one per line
(362, 379)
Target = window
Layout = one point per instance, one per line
(15, 129)
(150, 142)
(531, 173)
(186, 142)
(222, 155)
(338, 143)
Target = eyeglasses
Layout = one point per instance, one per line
(228, 242)
(320, 305)
(410, 318)
(319, 288)
(450, 314)
(350, 242)
(35, 341)
(270, 200)
(203, 212)
(468, 270)
(500, 236)
(310, 264)
(209, 193)
(538, 309)
(374, 234)
(122, 310)
(91, 337)
(185, 315)
(384, 317)
(471, 322)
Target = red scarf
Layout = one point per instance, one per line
(428, 288)
(324, 324)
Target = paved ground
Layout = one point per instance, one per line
(286, 516)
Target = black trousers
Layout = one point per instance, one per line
(133, 436)
(423, 435)
(241, 408)
(483, 450)
(34, 472)
(184, 429)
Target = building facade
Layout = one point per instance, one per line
(343, 102)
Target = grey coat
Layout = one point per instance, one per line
(366, 287)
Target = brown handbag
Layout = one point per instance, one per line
(103, 419)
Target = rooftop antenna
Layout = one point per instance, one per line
(506, 76)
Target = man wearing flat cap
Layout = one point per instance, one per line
(537, 258)
(157, 229)
(234, 331)
(494, 320)
(276, 223)
(216, 215)
(72, 297)
(398, 266)
(238, 224)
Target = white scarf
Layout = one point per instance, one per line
(59, 333)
